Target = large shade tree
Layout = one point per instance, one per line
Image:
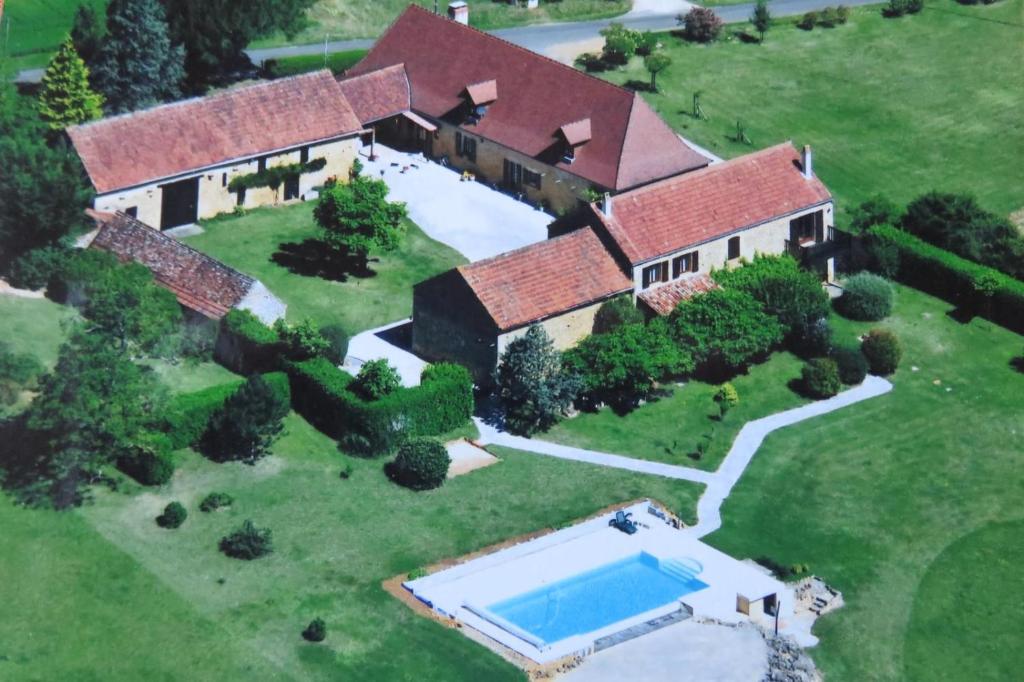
(357, 218)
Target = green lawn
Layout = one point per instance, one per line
(186, 376)
(899, 106)
(359, 303)
(33, 26)
(668, 429)
(33, 325)
(892, 500)
(337, 62)
(103, 593)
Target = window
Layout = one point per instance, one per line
(570, 154)
(684, 264)
(734, 248)
(261, 164)
(304, 155)
(532, 178)
(223, 179)
(807, 228)
(655, 273)
(465, 146)
(512, 173)
(133, 211)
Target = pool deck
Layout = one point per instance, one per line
(465, 591)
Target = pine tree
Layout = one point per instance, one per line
(137, 66)
(87, 33)
(65, 98)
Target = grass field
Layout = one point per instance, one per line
(33, 325)
(103, 593)
(668, 429)
(896, 501)
(899, 106)
(249, 243)
(337, 62)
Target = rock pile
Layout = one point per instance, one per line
(787, 661)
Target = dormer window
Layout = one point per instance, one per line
(478, 97)
(574, 135)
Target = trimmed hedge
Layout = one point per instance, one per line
(149, 460)
(965, 283)
(321, 393)
(882, 350)
(853, 366)
(246, 345)
(421, 464)
(189, 413)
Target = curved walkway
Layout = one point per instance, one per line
(718, 484)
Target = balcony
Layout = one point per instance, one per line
(835, 241)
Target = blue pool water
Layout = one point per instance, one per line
(607, 594)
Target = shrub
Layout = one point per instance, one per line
(725, 328)
(895, 8)
(877, 210)
(174, 515)
(148, 460)
(198, 339)
(421, 464)
(21, 369)
(34, 269)
(828, 18)
(727, 398)
(416, 573)
(376, 379)
(616, 312)
(820, 378)
(320, 392)
(865, 297)
(882, 350)
(215, 501)
(808, 21)
(813, 340)
(301, 341)
(337, 343)
(316, 631)
(956, 279)
(533, 384)
(620, 43)
(852, 364)
(79, 268)
(247, 542)
(346, 471)
(189, 413)
(249, 421)
(591, 62)
(842, 14)
(646, 43)
(915, 6)
(246, 345)
(701, 25)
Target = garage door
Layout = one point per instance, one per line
(179, 203)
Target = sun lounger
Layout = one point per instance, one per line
(623, 522)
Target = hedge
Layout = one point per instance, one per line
(956, 279)
(247, 346)
(320, 393)
(189, 413)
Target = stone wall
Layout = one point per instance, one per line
(565, 330)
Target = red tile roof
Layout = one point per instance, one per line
(664, 298)
(378, 94)
(545, 279)
(576, 132)
(199, 282)
(484, 92)
(710, 203)
(630, 145)
(171, 139)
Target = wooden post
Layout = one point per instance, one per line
(373, 141)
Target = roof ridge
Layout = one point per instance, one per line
(544, 243)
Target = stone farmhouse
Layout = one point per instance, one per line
(205, 287)
(657, 243)
(510, 116)
(172, 164)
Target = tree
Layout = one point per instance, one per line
(316, 631)
(761, 18)
(421, 464)
(620, 368)
(137, 66)
(727, 398)
(357, 218)
(247, 542)
(376, 379)
(655, 63)
(725, 329)
(247, 424)
(620, 43)
(65, 98)
(215, 33)
(43, 187)
(615, 313)
(125, 304)
(533, 387)
(92, 407)
(700, 25)
(877, 210)
(87, 32)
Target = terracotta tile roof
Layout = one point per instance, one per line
(630, 143)
(199, 282)
(672, 214)
(664, 298)
(170, 139)
(483, 92)
(576, 132)
(545, 279)
(378, 94)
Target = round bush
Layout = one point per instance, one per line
(882, 350)
(247, 542)
(215, 501)
(865, 297)
(174, 515)
(701, 25)
(316, 631)
(421, 464)
(853, 366)
(820, 378)
(376, 379)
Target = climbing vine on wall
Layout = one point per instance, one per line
(274, 176)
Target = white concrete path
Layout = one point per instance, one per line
(370, 345)
(718, 484)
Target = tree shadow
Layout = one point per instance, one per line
(797, 386)
(1018, 363)
(639, 86)
(745, 37)
(313, 258)
(961, 314)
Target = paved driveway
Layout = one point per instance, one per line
(470, 217)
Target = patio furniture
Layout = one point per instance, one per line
(623, 522)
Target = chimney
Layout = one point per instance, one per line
(808, 162)
(458, 11)
(606, 204)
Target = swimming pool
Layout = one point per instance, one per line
(607, 594)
